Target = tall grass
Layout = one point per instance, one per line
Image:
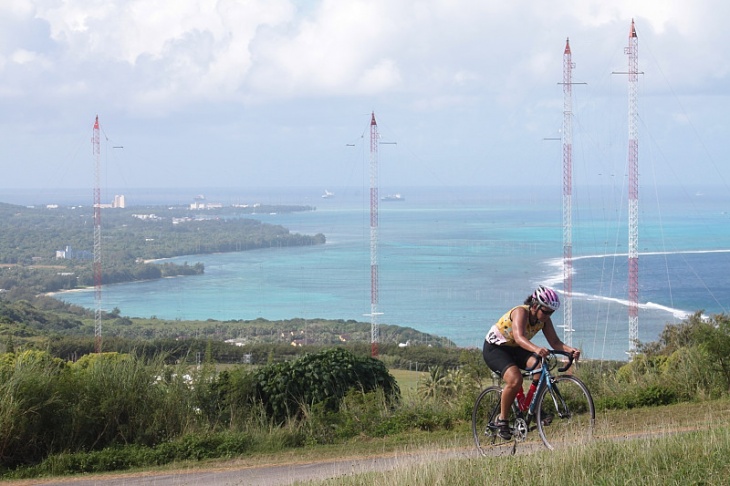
(48, 406)
(29, 405)
(689, 458)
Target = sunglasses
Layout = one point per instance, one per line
(547, 312)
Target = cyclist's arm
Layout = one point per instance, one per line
(519, 322)
(552, 338)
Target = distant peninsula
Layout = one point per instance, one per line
(49, 249)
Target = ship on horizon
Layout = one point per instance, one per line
(393, 197)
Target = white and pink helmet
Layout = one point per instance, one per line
(546, 297)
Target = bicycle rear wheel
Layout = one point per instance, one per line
(483, 417)
(565, 413)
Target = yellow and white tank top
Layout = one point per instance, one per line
(501, 333)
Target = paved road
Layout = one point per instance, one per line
(262, 475)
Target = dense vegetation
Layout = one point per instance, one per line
(110, 399)
(115, 410)
(30, 238)
(67, 332)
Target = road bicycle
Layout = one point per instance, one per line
(559, 406)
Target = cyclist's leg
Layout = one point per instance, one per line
(527, 360)
(512, 377)
(501, 359)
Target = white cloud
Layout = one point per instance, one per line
(481, 67)
(172, 51)
(326, 52)
(22, 56)
(160, 51)
(383, 76)
(16, 7)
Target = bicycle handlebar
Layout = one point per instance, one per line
(566, 354)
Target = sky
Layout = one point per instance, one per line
(279, 93)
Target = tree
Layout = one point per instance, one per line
(714, 338)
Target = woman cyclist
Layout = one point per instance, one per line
(508, 350)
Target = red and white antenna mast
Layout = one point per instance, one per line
(568, 194)
(374, 237)
(633, 52)
(96, 149)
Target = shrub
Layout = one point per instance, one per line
(641, 366)
(450, 386)
(226, 399)
(686, 371)
(420, 415)
(188, 447)
(649, 396)
(653, 396)
(358, 414)
(286, 389)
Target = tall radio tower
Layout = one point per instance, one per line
(568, 193)
(633, 52)
(374, 237)
(97, 236)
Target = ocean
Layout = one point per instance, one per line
(451, 261)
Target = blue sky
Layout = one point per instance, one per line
(258, 93)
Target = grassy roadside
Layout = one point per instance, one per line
(686, 458)
(364, 426)
(657, 445)
(677, 444)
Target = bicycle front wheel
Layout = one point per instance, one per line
(565, 413)
(483, 417)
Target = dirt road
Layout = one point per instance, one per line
(275, 474)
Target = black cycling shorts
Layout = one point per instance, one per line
(499, 358)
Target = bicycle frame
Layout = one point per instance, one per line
(520, 407)
(543, 381)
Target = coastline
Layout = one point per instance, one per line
(448, 265)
